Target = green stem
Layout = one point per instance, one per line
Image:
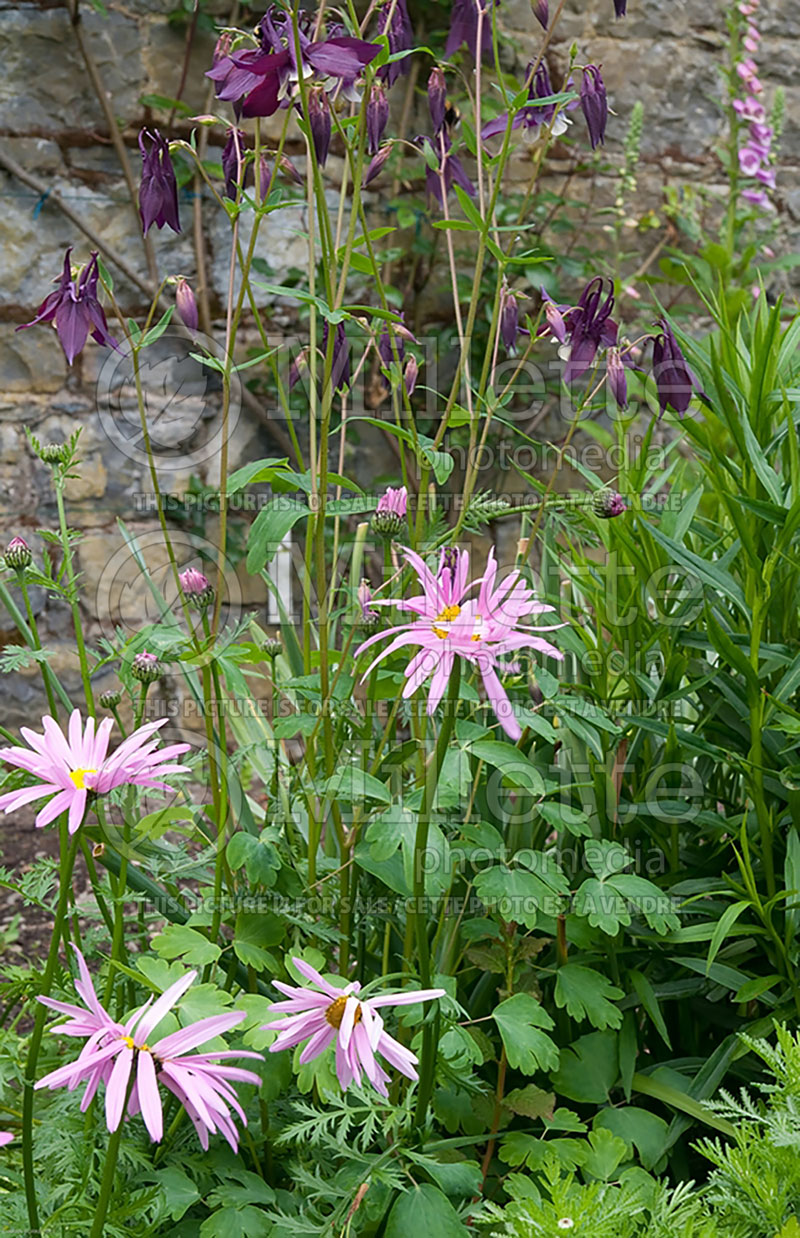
(58, 483)
(429, 1036)
(37, 644)
(109, 1171)
(69, 849)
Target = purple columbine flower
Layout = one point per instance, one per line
(541, 12)
(674, 379)
(589, 326)
(594, 104)
(401, 39)
(158, 192)
(258, 81)
(437, 98)
(377, 117)
(319, 118)
(340, 370)
(464, 29)
(376, 164)
(620, 7)
(617, 379)
(75, 310)
(450, 167)
(533, 114)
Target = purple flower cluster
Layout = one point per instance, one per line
(754, 156)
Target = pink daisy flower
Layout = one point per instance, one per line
(479, 630)
(5, 1137)
(70, 767)
(116, 1053)
(323, 1013)
(394, 500)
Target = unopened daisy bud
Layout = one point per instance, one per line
(483, 507)
(186, 304)
(319, 116)
(541, 12)
(390, 512)
(608, 503)
(411, 374)
(18, 553)
(54, 453)
(437, 97)
(273, 647)
(110, 698)
(146, 667)
(376, 164)
(196, 588)
(377, 117)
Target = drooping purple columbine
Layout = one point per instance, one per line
(401, 38)
(541, 12)
(411, 374)
(533, 115)
(340, 369)
(437, 98)
(589, 326)
(674, 379)
(509, 319)
(158, 192)
(75, 310)
(620, 7)
(258, 81)
(376, 164)
(464, 28)
(450, 169)
(319, 118)
(377, 117)
(594, 104)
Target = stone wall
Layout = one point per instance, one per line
(55, 145)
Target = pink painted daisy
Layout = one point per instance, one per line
(5, 1137)
(479, 630)
(119, 1055)
(70, 767)
(323, 1013)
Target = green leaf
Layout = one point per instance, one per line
(647, 996)
(518, 1019)
(354, 785)
(158, 330)
(589, 1068)
(258, 470)
(587, 994)
(648, 1085)
(269, 529)
(729, 916)
(253, 935)
(607, 1152)
(647, 1131)
(261, 860)
(180, 941)
(531, 1102)
(458, 1179)
(519, 895)
(513, 764)
(179, 1191)
(424, 1210)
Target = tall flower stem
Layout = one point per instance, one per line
(58, 482)
(109, 1171)
(37, 644)
(433, 772)
(69, 847)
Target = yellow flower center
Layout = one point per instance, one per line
(131, 1043)
(78, 775)
(335, 1012)
(447, 616)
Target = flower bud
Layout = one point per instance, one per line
(288, 169)
(110, 698)
(377, 117)
(541, 12)
(370, 620)
(617, 380)
(319, 116)
(186, 304)
(376, 164)
(437, 97)
(54, 453)
(18, 553)
(273, 647)
(607, 503)
(509, 319)
(146, 667)
(594, 104)
(196, 588)
(411, 374)
(265, 179)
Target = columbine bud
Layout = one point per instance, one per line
(265, 179)
(594, 104)
(542, 13)
(319, 116)
(411, 374)
(146, 667)
(288, 169)
(377, 117)
(273, 647)
(298, 369)
(620, 7)
(509, 319)
(376, 164)
(607, 503)
(18, 553)
(616, 378)
(54, 453)
(233, 162)
(437, 97)
(196, 588)
(186, 304)
(110, 698)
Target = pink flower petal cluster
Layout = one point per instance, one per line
(754, 156)
(71, 766)
(119, 1056)
(325, 1013)
(394, 500)
(450, 625)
